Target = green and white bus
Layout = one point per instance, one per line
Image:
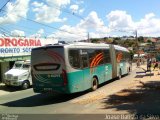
(70, 68)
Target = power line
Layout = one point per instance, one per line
(4, 31)
(4, 5)
(76, 15)
(43, 24)
(25, 28)
(66, 11)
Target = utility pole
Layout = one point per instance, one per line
(137, 40)
(137, 46)
(88, 38)
(136, 37)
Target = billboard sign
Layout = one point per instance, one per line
(21, 46)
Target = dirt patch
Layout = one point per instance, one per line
(101, 94)
(133, 95)
(125, 93)
(143, 99)
(125, 97)
(89, 99)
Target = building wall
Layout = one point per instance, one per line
(4, 67)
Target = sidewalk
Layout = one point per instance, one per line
(142, 98)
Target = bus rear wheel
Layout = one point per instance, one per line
(94, 84)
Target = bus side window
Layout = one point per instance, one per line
(91, 55)
(119, 56)
(123, 56)
(107, 58)
(74, 58)
(84, 58)
(84, 61)
(99, 56)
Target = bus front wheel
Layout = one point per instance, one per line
(25, 85)
(94, 84)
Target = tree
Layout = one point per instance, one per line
(149, 41)
(141, 39)
(94, 40)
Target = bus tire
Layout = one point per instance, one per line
(25, 85)
(119, 74)
(94, 84)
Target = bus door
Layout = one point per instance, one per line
(85, 67)
(108, 66)
(113, 61)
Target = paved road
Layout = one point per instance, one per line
(27, 102)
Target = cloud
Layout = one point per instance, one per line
(149, 25)
(78, 2)
(81, 11)
(120, 19)
(14, 10)
(17, 33)
(92, 24)
(39, 33)
(73, 34)
(92, 21)
(74, 8)
(49, 12)
(58, 2)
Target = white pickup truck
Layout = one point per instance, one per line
(19, 75)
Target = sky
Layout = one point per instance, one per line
(73, 20)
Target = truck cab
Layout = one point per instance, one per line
(19, 75)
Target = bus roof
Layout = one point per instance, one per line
(117, 47)
(91, 45)
(75, 45)
(83, 45)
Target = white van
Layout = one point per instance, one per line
(19, 75)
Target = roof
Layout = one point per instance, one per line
(84, 45)
(24, 61)
(14, 58)
(117, 47)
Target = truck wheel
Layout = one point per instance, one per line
(94, 84)
(25, 85)
(7, 85)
